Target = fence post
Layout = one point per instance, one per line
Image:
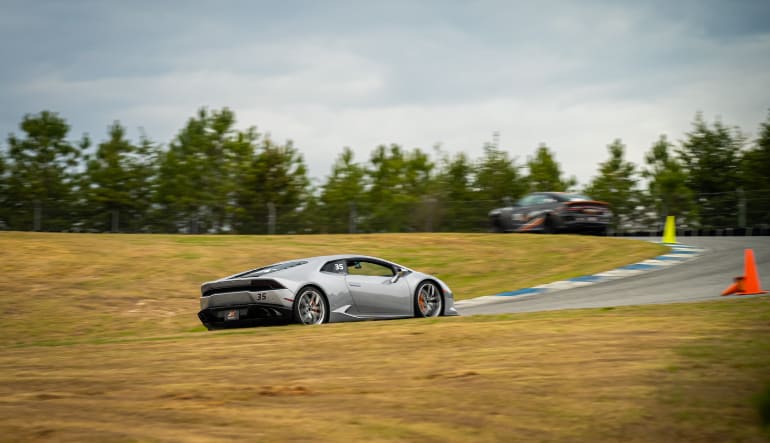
(115, 220)
(270, 218)
(37, 216)
(352, 218)
(431, 203)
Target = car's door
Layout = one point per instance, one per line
(373, 290)
(520, 211)
(530, 208)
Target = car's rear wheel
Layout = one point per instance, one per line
(311, 307)
(428, 301)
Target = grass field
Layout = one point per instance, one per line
(100, 343)
(688, 372)
(109, 286)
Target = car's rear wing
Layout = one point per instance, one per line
(235, 285)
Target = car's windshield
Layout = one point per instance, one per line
(271, 268)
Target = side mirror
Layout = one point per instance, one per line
(400, 273)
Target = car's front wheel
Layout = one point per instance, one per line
(311, 307)
(428, 301)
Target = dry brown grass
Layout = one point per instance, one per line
(100, 343)
(78, 286)
(651, 373)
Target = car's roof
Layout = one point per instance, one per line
(321, 259)
(328, 258)
(561, 195)
(293, 264)
(550, 193)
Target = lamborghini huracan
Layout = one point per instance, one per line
(317, 290)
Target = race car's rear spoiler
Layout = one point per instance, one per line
(253, 284)
(587, 202)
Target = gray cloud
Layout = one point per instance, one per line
(350, 73)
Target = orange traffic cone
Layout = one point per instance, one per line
(748, 283)
(735, 288)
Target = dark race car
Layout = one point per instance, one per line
(552, 212)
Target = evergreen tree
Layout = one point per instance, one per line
(272, 189)
(308, 217)
(459, 206)
(667, 183)
(200, 172)
(498, 178)
(4, 198)
(384, 194)
(118, 182)
(3, 191)
(711, 157)
(545, 173)
(41, 177)
(421, 186)
(755, 177)
(397, 182)
(342, 196)
(616, 185)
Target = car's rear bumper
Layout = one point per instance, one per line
(585, 226)
(246, 308)
(237, 316)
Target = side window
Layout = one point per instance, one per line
(542, 199)
(527, 200)
(335, 267)
(363, 267)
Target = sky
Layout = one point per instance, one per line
(330, 73)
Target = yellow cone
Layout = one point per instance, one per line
(669, 234)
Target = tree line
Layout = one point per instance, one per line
(214, 178)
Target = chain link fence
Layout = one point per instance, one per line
(733, 213)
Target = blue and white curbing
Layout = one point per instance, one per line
(679, 254)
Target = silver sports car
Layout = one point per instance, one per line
(317, 290)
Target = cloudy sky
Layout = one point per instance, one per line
(333, 73)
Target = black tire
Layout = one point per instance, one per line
(428, 300)
(602, 232)
(311, 306)
(548, 227)
(495, 226)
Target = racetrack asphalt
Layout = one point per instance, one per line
(702, 278)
